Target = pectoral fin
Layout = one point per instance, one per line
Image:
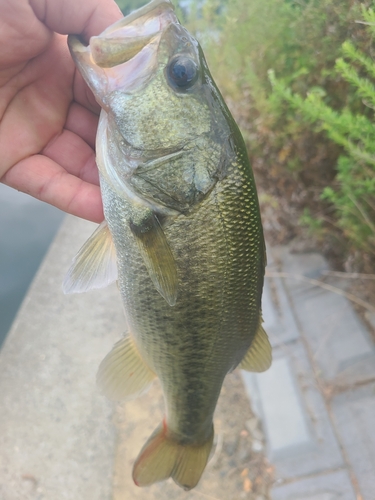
(259, 356)
(95, 265)
(157, 255)
(123, 374)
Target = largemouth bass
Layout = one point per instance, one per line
(182, 233)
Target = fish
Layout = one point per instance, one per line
(182, 234)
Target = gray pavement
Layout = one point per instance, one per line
(316, 403)
(56, 434)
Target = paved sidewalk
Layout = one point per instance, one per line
(57, 439)
(60, 439)
(317, 402)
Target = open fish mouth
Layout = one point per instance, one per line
(125, 54)
(123, 40)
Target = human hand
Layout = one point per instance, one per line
(48, 116)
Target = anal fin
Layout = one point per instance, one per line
(123, 374)
(258, 358)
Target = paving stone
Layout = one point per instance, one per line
(279, 321)
(57, 440)
(310, 264)
(341, 345)
(334, 486)
(278, 317)
(370, 316)
(354, 416)
(300, 439)
(284, 416)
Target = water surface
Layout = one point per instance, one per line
(27, 227)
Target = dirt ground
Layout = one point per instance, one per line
(237, 470)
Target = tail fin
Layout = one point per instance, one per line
(162, 457)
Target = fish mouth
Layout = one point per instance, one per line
(125, 54)
(123, 40)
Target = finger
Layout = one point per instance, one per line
(22, 35)
(74, 155)
(82, 122)
(37, 112)
(86, 18)
(47, 181)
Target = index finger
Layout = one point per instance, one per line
(86, 18)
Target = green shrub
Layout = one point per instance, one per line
(353, 192)
(311, 166)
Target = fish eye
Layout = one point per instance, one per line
(182, 72)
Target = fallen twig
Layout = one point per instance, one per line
(326, 286)
(205, 495)
(359, 276)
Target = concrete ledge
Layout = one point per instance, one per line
(316, 401)
(279, 321)
(56, 437)
(300, 437)
(354, 416)
(283, 414)
(338, 340)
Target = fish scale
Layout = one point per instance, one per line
(206, 337)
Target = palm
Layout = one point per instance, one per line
(48, 118)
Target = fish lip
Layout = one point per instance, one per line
(125, 39)
(124, 56)
(137, 14)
